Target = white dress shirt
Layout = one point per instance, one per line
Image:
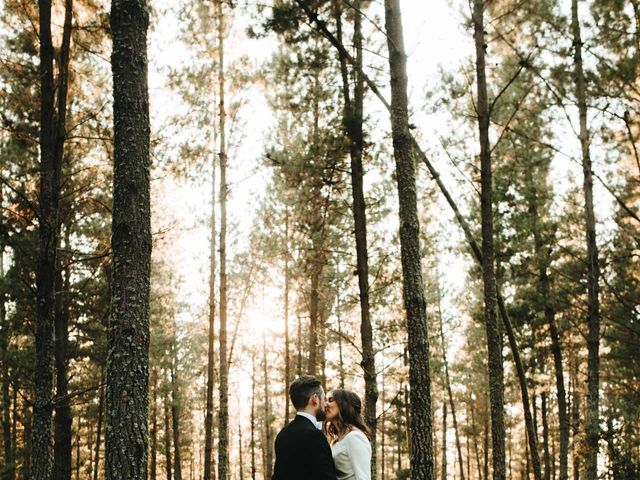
(352, 456)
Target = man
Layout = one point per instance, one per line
(302, 451)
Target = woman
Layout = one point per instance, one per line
(348, 436)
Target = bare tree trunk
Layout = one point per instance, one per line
(223, 412)
(475, 440)
(353, 123)
(421, 453)
(314, 305)
(485, 463)
(576, 422)
(448, 380)
(545, 437)
(444, 441)
(253, 418)
(62, 449)
(287, 359)
(268, 434)
(128, 338)
(240, 462)
(78, 450)
(175, 413)
(592, 429)
(153, 474)
(52, 137)
(494, 341)
(96, 464)
(299, 347)
(167, 438)
(208, 422)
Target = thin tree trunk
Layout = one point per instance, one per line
(353, 122)
(78, 451)
(475, 440)
(448, 380)
(545, 437)
(287, 359)
(240, 461)
(8, 471)
(421, 453)
(208, 422)
(268, 434)
(576, 422)
(126, 446)
(96, 463)
(175, 415)
(314, 303)
(494, 341)
(299, 347)
(443, 473)
(253, 418)
(485, 464)
(52, 134)
(153, 473)
(223, 412)
(62, 450)
(167, 438)
(592, 433)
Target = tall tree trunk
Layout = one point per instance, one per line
(575, 420)
(443, 474)
(494, 341)
(208, 422)
(175, 415)
(52, 136)
(299, 348)
(8, 470)
(421, 453)
(545, 437)
(127, 398)
(476, 449)
(78, 451)
(268, 434)
(314, 305)
(287, 341)
(96, 464)
(240, 461)
(223, 412)
(167, 438)
(485, 436)
(153, 473)
(253, 418)
(448, 380)
(62, 448)
(592, 429)
(353, 125)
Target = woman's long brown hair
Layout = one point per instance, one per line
(349, 416)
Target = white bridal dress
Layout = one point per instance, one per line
(352, 456)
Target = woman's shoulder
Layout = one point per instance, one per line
(356, 435)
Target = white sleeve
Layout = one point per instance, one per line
(359, 450)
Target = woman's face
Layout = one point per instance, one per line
(331, 409)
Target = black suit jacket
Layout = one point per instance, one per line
(303, 453)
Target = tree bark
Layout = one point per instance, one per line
(253, 417)
(448, 380)
(96, 463)
(52, 135)
(153, 473)
(268, 434)
(545, 437)
(443, 473)
(175, 415)
(592, 429)
(223, 412)
(126, 446)
(167, 438)
(421, 454)
(208, 422)
(287, 341)
(353, 125)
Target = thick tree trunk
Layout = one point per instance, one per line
(421, 453)
(208, 422)
(96, 464)
(353, 125)
(223, 412)
(175, 416)
(52, 136)
(592, 429)
(448, 381)
(494, 341)
(127, 398)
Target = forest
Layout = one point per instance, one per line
(435, 205)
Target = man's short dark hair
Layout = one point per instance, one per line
(301, 390)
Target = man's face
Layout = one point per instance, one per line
(320, 414)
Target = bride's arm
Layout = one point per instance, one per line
(359, 450)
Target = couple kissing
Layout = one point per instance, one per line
(326, 440)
